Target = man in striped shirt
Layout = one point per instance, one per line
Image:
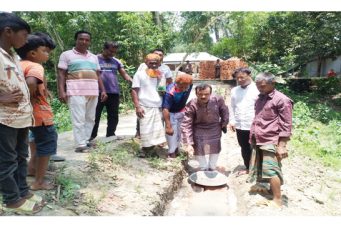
(79, 82)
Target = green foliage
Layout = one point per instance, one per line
(68, 190)
(301, 115)
(267, 67)
(328, 85)
(62, 120)
(316, 127)
(126, 102)
(106, 155)
(296, 37)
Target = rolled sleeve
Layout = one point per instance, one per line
(285, 117)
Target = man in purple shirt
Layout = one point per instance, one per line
(269, 134)
(109, 68)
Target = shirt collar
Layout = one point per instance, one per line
(79, 53)
(10, 57)
(270, 95)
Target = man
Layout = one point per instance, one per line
(217, 68)
(331, 73)
(173, 105)
(242, 112)
(269, 134)
(78, 84)
(147, 103)
(188, 68)
(205, 117)
(164, 69)
(109, 67)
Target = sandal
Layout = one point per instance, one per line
(28, 208)
(84, 149)
(35, 198)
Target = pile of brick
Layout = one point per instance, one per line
(207, 68)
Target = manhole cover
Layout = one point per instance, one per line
(208, 178)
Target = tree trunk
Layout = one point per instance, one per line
(157, 19)
(216, 32)
(319, 66)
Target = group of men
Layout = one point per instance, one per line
(24, 105)
(259, 113)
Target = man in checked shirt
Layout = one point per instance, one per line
(269, 134)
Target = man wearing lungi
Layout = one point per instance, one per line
(147, 101)
(269, 134)
(205, 117)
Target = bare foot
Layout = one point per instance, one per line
(41, 186)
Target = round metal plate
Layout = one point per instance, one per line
(208, 178)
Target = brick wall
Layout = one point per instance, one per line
(207, 68)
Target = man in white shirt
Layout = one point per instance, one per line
(164, 69)
(147, 102)
(242, 112)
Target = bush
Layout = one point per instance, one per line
(327, 85)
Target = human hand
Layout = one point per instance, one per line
(139, 112)
(104, 96)
(224, 129)
(169, 130)
(11, 97)
(62, 97)
(281, 153)
(232, 127)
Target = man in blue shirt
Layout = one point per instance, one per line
(109, 67)
(173, 105)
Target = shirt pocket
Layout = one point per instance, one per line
(268, 114)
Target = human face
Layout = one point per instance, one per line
(18, 39)
(265, 87)
(83, 42)
(40, 55)
(243, 79)
(203, 95)
(109, 52)
(160, 54)
(182, 87)
(152, 64)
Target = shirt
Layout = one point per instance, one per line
(273, 118)
(243, 106)
(81, 72)
(18, 114)
(109, 69)
(148, 95)
(174, 100)
(204, 122)
(42, 110)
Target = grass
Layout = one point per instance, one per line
(68, 188)
(316, 127)
(107, 155)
